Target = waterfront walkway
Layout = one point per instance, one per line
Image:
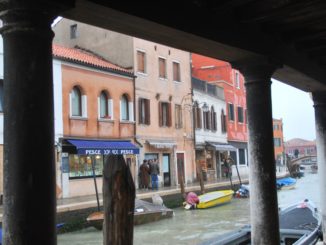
(76, 203)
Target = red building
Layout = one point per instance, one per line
(222, 74)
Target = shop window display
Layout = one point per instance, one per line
(80, 166)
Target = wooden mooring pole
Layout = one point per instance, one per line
(118, 202)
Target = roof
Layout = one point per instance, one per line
(83, 57)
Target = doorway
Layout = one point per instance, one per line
(166, 170)
(181, 167)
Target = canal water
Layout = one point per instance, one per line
(196, 226)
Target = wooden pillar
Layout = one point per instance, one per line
(263, 194)
(118, 202)
(29, 166)
(319, 99)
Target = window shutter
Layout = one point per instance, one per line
(215, 121)
(140, 120)
(160, 116)
(199, 118)
(147, 112)
(84, 106)
(169, 117)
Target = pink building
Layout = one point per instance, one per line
(299, 147)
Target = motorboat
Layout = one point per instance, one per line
(212, 199)
(145, 212)
(300, 224)
(286, 183)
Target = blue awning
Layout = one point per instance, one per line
(101, 147)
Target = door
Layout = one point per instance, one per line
(181, 167)
(166, 170)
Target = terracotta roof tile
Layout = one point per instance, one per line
(84, 57)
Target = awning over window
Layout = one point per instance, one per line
(100, 147)
(222, 147)
(162, 144)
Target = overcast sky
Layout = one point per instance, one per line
(296, 109)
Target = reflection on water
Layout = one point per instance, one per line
(195, 226)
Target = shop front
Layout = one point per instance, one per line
(210, 157)
(82, 162)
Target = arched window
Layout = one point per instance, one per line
(197, 113)
(104, 108)
(76, 102)
(213, 119)
(124, 109)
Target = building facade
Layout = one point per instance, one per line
(210, 128)
(163, 127)
(92, 119)
(296, 148)
(222, 74)
(278, 141)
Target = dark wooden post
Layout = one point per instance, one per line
(200, 176)
(263, 194)
(319, 99)
(118, 202)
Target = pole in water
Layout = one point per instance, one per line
(95, 183)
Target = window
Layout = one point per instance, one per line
(213, 119)
(231, 112)
(240, 114)
(80, 166)
(104, 107)
(1, 95)
(164, 114)
(144, 111)
(141, 61)
(124, 108)
(178, 116)
(73, 31)
(277, 142)
(197, 115)
(176, 72)
(242, 157)
(76, 102)
(207, 119)
(233, 155)
(245, 116)
(223, 121)
(237, 80)
(162, 67)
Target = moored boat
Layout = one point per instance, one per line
(214, 198)
(145, 212)
(300, 224)
(286, 183)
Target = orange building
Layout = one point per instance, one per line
(97, 118)
(278, 140)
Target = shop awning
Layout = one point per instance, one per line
(162, 144)
(101, 147)
(222, 147)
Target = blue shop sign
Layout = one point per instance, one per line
(97, 147)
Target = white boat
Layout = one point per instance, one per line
(300, 224)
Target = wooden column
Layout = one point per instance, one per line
(118, 202)
(29, 166)
(263, 194)
(319, 99)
